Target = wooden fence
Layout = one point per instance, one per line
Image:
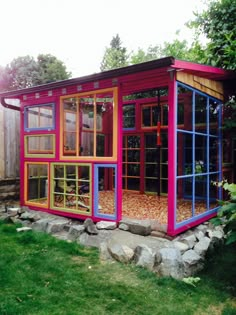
(9, 143)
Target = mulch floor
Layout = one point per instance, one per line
(141, 206)
(144, 206)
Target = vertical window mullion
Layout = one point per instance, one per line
(208, 155)
(193, 152)
(95, 125)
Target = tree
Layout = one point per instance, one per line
(153, 52)
(115, 56)
(217, 23)
(20, 73)
(50, 69)
(25, 72)
(177, 48)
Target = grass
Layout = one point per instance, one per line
(40, 275)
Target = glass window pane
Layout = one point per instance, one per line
(214, 191)
(213, 154)
(165, 114)
(214, 112)
(87, 140)
(200, 113)
(39, 117)
(154, 115)
(70, 126)
(133, 142)
(100, 147)
(200, 154)
(129, 116)
(146, 116)
(184, 207)
(150, 185)
(86, 109)
(43, 144)
(184, 153)
(184, 108)
(133, 170)
(37, 185)
(45, 116)
(133, 183)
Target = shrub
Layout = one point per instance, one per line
(227, 213)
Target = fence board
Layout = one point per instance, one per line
(9, 142)
(2, 145)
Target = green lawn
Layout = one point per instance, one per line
(40, 275)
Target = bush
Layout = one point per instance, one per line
(227, 214)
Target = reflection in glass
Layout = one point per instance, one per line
(200, 154)
(185, 204)
(184, 108)
(37, 185)
(42, 144)
(201, 112)
(40, 116)
(214, 111)
(129, 116)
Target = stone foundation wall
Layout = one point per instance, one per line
(130, 241)
(9, 189)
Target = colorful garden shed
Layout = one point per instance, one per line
(142, 141)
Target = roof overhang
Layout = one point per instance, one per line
(170, 63)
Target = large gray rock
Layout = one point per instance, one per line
(202, 227)
(75, 231)
(12, 212)
(27, 216)
(190, 257)
(193, 263)
(199, 235)
(217, 239)
(104, 254)
(90, 227)
(218, 234)
(123, 227)
(106, 225)
(41, 225)
(171, 263)
(181, 246)
(56, 226)
(92, 240)
(141, 227)
(121, 253)
(189, 240)
(202, 246)
(144, 257)
(157, 226)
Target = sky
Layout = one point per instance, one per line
(78, 31)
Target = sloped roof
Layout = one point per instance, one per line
(169, 63)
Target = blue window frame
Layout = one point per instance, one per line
(39, 117)
(105, 187)
(198, 152)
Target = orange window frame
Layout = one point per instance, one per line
(26, 191)
(77, 96)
